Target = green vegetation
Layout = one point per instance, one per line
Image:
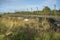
(29, 30)
(46, 11)
(30, 34)
(27, 33)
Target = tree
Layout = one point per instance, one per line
(47, 10)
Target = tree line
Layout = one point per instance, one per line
(45, 11)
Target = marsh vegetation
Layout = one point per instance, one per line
(21, 28)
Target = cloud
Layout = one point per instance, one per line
(49, 2)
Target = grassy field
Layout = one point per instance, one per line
(13, 28)
(20, 29)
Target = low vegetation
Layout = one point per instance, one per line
(32, 29)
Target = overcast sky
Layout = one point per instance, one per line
(18, 5)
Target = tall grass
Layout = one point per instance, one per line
(30, 32)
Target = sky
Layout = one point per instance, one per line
(22, 5)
